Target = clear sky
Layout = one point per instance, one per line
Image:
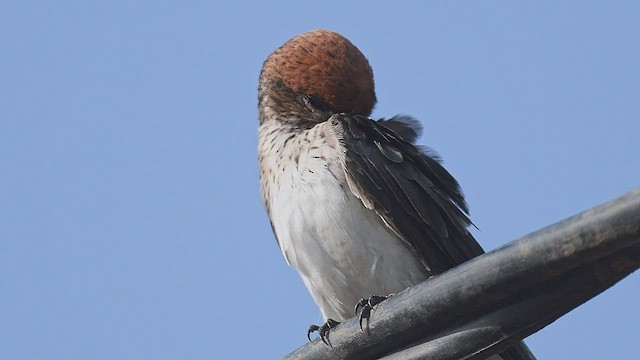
(131, 225)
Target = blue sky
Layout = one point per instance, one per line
(131, 225)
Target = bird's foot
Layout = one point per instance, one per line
(365, 305)
(323, 330)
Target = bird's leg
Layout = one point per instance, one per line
(323, 330)
(365, 305)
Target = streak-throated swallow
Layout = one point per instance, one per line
(357, 209)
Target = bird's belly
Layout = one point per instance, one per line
(342, 250)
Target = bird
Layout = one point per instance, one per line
(357, 208)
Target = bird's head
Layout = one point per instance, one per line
(312, 76)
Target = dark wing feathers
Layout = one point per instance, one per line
(406, 126)
(410, 190)
(413, 194)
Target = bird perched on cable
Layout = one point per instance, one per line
(356, 208)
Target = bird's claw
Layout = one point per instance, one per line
(323, 330)
(365, 305)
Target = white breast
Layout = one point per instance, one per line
(342, 251)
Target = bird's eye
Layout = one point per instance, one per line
(314, 103)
